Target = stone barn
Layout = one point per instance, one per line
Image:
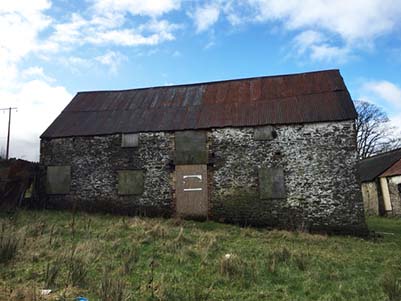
(276, 151)
(381, 183)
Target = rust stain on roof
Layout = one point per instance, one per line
(285, 99)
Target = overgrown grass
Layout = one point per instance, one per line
(111, 258)
(8, 245)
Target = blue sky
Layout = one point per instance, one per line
(50, 50)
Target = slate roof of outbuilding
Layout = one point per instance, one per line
(394, 170)
(378, 165)
(285, 99)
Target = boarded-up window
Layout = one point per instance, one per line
(58, 179)
(190, 147)
(130, 182)
(264, 133)
(130, 140)
(271, 183)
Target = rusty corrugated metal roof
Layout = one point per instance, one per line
(285, 99)
(394, 170)
(373, 167)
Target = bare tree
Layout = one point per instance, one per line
(374, 132)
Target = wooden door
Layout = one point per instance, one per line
(191, 190)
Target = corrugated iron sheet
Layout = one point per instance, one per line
(299, 98)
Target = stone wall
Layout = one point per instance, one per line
(95, 162)
(395, 194)
(370, 197)
(318, 160)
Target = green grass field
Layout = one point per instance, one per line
(105, 257)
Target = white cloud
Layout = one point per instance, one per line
(384, 94)
(25, 29)
(342, 25)
(152, 8)
(79, 31)
(384, 90)
(206, 16)
(20, 24)
(30, 90)
(326, 52)
(69, 32)
(37, 73)
(306, 39)
(38, 104)
(352, 20)
(111, 59)
(318, 47)
(338, 27)
(25, 18)
(395, 120)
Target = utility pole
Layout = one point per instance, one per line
(9, 128)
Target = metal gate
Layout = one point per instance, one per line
(191, 190)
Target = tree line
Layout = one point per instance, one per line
(375, 134)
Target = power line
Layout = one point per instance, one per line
(9, 129)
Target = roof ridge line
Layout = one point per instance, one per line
(381, 154)
(210, 82)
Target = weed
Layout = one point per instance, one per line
(158, 231)
(72, 223)
(392, 287)
(52, 232)
(8, 245)
(271, 266)
(177, 244)
(129, 259)
(25, 294)
(282, 255)
(77, 270)
(181, 237)
(124, 223)
(231, 265)
(111, 289)
(37, 229)
(301, 261)
(52, 272)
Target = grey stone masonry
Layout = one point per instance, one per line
(314, 168)
(95, 162)
(320, 177)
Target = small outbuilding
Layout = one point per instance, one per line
(275, 151)
(381, 183)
